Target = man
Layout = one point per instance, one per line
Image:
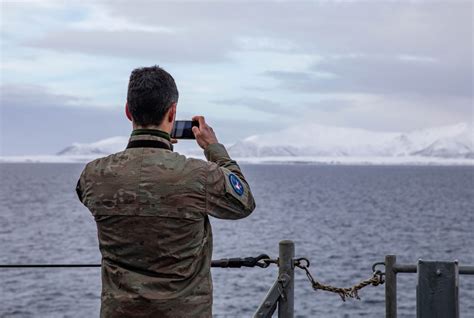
(151, 206)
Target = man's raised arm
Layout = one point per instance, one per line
(228, 194)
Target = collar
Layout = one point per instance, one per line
(153, 132)
(150, 138)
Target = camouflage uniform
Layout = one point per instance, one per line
(151, 206)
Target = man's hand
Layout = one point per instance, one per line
(204, 134)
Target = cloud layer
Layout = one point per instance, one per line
(375, 65)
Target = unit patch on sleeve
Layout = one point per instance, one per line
(236, 184)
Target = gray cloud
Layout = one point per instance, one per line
(360, 42)
(380, 75)
(271, 107)
(332, 105)
(22, 95)
(37, 121)
(33, 120)
(325, 26)
(209, 31)
(165, 47)
(255, 103)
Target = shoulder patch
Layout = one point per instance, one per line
(236, 184)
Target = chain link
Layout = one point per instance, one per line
(378, 278)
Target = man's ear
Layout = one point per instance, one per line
(172, 113)
(127, 112)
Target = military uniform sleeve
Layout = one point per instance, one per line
(80, 187)
(228, 194)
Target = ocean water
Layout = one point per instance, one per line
(343, 218)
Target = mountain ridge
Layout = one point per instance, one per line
(313, 143)
(455, 141)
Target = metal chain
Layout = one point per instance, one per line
(351, 292)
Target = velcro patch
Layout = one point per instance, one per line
(235, 187)
(236, 184)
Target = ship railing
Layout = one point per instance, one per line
(437, 293)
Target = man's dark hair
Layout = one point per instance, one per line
(151, 91)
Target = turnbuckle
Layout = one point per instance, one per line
(260, 261)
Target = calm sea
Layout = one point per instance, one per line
(343, 218)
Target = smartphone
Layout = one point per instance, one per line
(183, 129)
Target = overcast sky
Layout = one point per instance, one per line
(249, 67)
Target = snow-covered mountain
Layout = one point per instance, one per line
(101, 147)
(314, 143)
(324, 141)
(111, 145)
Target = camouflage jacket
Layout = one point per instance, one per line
(152, 208)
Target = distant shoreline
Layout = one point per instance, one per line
(321, 161)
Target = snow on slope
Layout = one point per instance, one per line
(324, 141)
(101, 147)
(314, 140)
(111, 145)
(449, 141)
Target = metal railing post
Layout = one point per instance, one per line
(390, 286)
(437, 292)
(286, 266)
